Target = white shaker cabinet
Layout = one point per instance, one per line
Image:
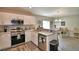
(29, 20)
(34, 37)
(27, 35)
(5, 40)
(31, 36)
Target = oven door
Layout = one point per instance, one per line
(15, 40)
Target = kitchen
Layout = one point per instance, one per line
(22, 30)
(17, 29)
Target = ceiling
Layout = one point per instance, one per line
(46, 11)
(55, 11)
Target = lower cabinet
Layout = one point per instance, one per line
(34, 38)
(27, 35)
(31, 36)
(5, 40)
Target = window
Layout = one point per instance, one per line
(46, 24)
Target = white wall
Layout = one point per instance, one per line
(71, 22)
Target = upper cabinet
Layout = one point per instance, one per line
(29, 20)
(5, 18)
(1, 19)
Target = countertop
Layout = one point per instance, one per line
(2, 33)
(46, 33)
(37, 31)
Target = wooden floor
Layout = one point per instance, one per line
(29, 46)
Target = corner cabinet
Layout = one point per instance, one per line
(31, 35)
(34, 37)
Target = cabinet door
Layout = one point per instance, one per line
(5, 41)
(34, 38)
(28, 20)
(7, 22)
(27, 36)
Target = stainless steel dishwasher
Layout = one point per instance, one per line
(42, 42)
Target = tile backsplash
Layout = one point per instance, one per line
(1, 28)
(23, 27)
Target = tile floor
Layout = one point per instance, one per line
(69, 44)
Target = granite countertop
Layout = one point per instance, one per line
(46, 33)
(2, 33)
(33, 30)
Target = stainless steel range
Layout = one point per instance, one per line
(17, 36)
